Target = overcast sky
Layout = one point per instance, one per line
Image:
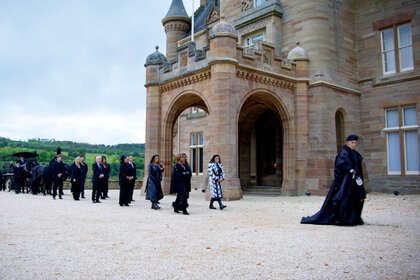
(74, 69)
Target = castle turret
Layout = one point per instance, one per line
(177, 24)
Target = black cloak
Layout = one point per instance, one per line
(342, 206)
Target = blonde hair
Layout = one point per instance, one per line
(178, 157)
(77, 162)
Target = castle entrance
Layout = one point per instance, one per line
(260, 146)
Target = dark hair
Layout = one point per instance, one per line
(214, 157)
(153, 158)
(122, 158)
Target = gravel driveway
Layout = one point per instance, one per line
(253, 238)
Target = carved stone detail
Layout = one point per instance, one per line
(186, 81)
(254, 26)
(265, 80)
(214, 15)
(246, 4)
(177, 27)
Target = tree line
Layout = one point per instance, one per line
(47, 149)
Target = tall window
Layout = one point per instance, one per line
(397, 51)
(339, 130)
(402, 141)
(197, 143)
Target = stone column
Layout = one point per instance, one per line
(224, 104)
(301, 125)
(153, 117)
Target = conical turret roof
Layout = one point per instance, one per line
(177, 9)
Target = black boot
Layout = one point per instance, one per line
(211, 204)
(220, 204)
(185, 212)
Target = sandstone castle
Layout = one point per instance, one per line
(274, 87)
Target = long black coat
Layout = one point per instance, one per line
(57, 168)
(153, 187)
(342, 206)
(181, 178)
(97, 169)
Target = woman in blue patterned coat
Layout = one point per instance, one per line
(216, 176)
(153, 187)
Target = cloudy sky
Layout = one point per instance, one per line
(74, 69)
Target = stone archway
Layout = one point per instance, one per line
(265, 147)
(180, 103)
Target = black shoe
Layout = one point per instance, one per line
(107, 196)
(60, 197)
(176, 210)
(53, 197)
(121, 204)
(126, 204)
(132, 200)
(76, 199)
(212, 207)
(98, 201)
(222, 207)
(102, 197)
(93, 201)
(185, 212)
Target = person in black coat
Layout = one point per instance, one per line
(76, 178)
(58, 171)
(153, 187)
(124, 179)
(132, 173)
(85, 169)
(181, 183)
(97, 179)
(107, 168)
(19, 178)
(344, 202)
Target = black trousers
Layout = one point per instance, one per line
(19, 185)
(181, 202)
(76, 189)
(96, 189)
(131, 185)
(124, 194)
(82, 186)
(105, 188)
(59, 184)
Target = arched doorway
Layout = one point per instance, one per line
(192, 146)
(262, 144)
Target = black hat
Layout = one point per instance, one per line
(352, 137)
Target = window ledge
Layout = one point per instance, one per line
(253, 14)
(396, 78)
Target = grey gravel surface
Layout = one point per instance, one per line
(253, 238)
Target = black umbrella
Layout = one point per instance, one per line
(25, 154)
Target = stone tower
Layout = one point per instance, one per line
(177, 24)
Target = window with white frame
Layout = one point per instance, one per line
(251, 40)
(196, 146)
(402, 141)
(397, 55)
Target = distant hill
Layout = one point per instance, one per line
(46, 148)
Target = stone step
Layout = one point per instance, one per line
(263, 190)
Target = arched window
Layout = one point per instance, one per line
(339, 130)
